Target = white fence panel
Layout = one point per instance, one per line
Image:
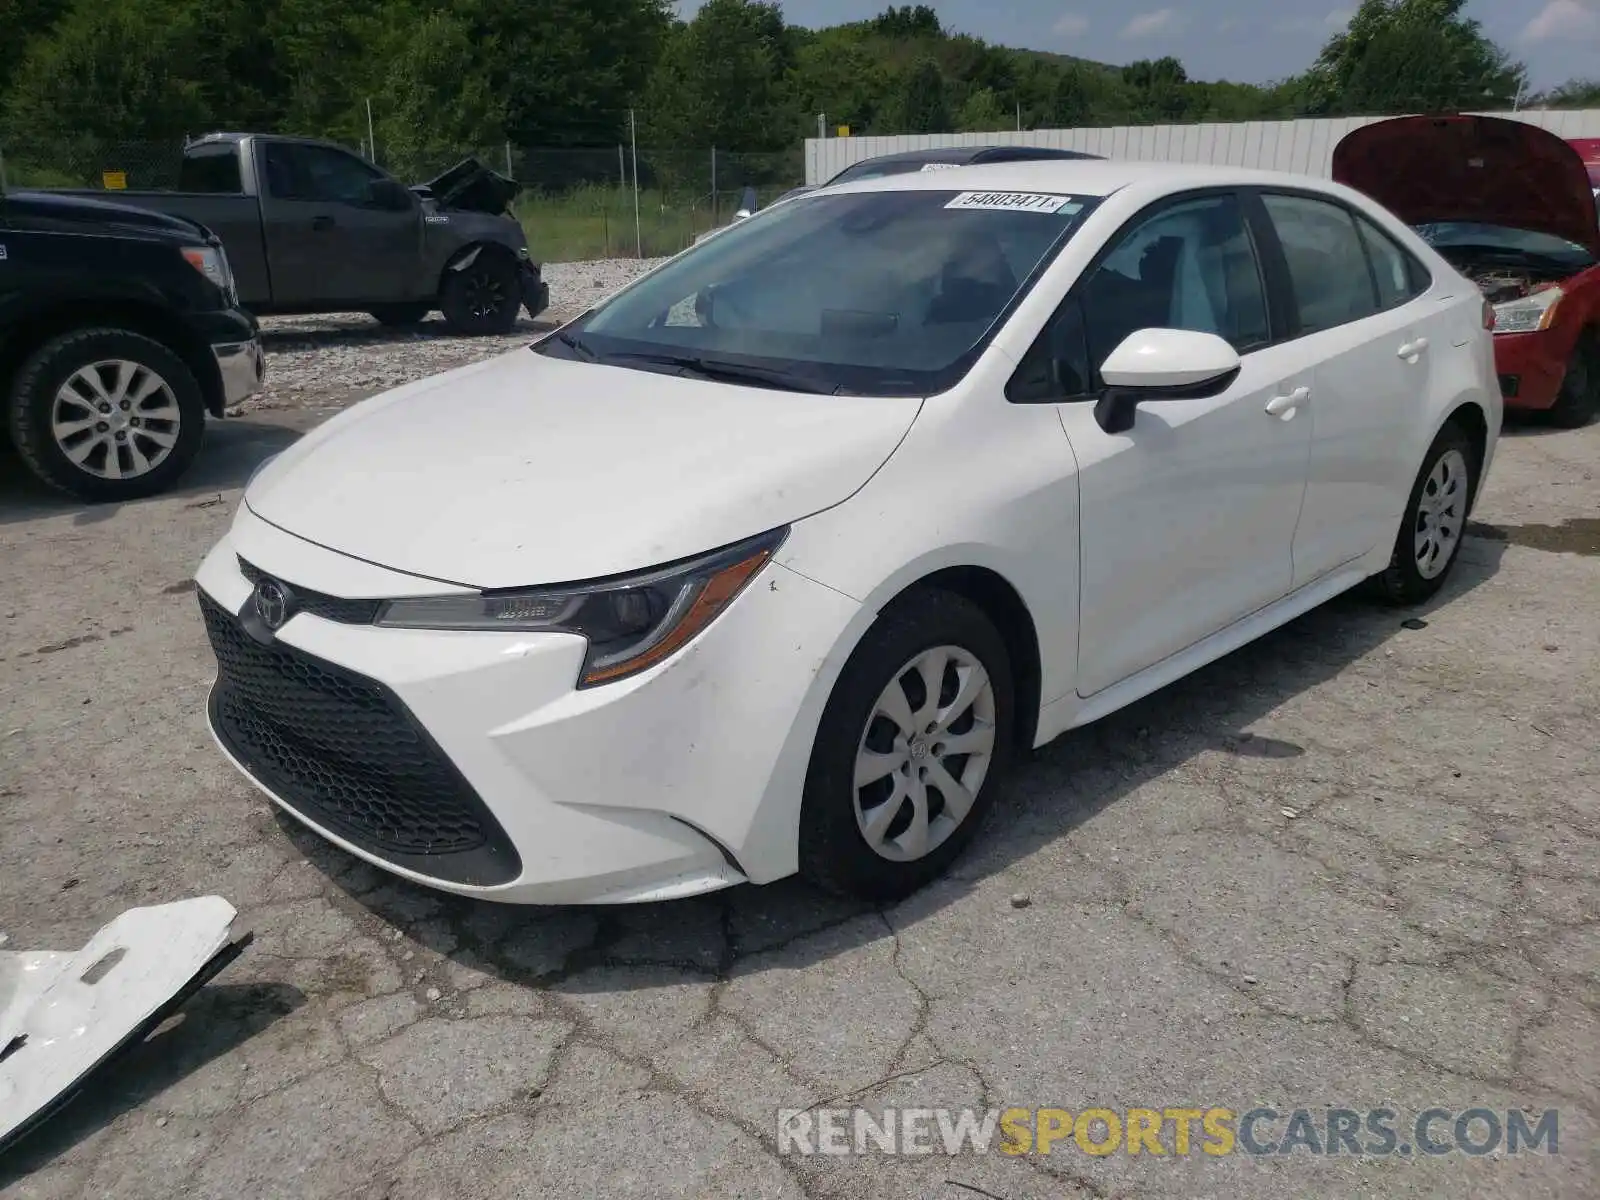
(1305, 146)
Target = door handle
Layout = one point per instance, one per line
(322, 222)
(1411, 351)
(1285, 406)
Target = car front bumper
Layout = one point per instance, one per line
(1532, 367)
(535, 291)
(470, 762)
(242, 367)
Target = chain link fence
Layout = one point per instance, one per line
(603, 202)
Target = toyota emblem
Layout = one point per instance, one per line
(272, 603)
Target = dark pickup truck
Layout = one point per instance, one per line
(310, 227)
(120, 330)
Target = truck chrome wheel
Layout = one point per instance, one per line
(115, 419)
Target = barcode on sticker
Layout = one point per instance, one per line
(1011, 201)
(940, 166)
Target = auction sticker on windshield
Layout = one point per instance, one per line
(1014, 202)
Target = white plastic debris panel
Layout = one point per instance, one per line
(64, 1013)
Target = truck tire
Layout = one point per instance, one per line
(399, 316)
(484, 298)
(106, 415)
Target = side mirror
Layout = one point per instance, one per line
(1162, 364)
(389, 195)
(705, 305)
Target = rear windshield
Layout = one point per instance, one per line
(880, 169)
(212, 169)
(874, 293)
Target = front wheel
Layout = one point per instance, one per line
(1435, 520)
(908, 750)
(1579, 398)
(107, 415)
(483, 298)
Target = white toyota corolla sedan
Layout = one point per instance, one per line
(771, 561)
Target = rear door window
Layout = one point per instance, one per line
(1399, 276)
(1328, 268)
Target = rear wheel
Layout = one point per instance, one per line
(1435, 520)
(483, 298)
(908, 750)
(398, 316)
(1579, 398)
(107, 415)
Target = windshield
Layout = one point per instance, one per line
(1444, 235)
(874, 293)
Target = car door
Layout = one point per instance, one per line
(327, 242)
(1187, 519)
(1357, 313)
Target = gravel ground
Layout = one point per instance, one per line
(1353, 865)
(332, 360)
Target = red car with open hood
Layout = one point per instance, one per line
(1510, 205)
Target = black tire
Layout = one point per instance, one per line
(834, 852)
(1403, 582)
(33, 398)
(399, 316)
(485, 298)
(1579, 397)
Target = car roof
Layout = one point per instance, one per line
(968, 154)
(1088, 177)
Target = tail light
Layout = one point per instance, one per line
(1488, 315)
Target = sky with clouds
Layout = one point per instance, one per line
(1246, 40)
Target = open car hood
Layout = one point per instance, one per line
(1483, 170)
(469, 186)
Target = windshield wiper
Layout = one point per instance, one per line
(728, 372)
(580, 347)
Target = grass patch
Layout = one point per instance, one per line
(598, 222)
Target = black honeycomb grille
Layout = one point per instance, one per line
(319, 604)
(344, 751)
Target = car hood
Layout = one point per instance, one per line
(527, 470)
(67, 213)
(1483, 170)
(470, 187)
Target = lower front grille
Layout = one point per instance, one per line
(344, 751)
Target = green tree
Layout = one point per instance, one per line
(107, 75)
(1411, 55)
(907, 22)
(1160, 88)
(923, 105)
(23, 21)
(982, 113)
(438, 101)
(1574, 93)
(721, 81)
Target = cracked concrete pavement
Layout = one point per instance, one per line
(1354, 865)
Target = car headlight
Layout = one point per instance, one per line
(211, 262)
(631, 622)
(1528, 314)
